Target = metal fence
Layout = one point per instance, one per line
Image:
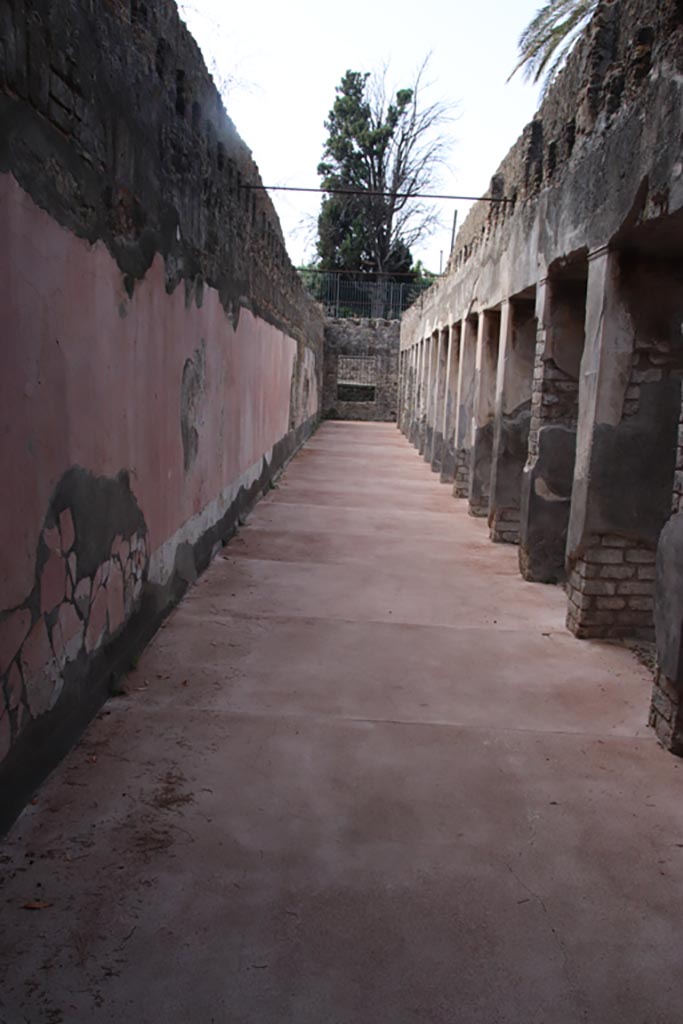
(344, 295)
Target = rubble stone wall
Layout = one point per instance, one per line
(377, 339)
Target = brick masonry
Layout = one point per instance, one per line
(461, 483)
(362, 337)
(677, 499)
(666, 713)
(596, 172)
(666, 709)
(611, 590)
(505, 526)
(554, 397)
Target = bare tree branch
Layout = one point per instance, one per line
(387, 141)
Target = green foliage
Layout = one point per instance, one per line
(422, 276)
(389, 151)
(547, 41)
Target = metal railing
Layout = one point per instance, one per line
(358, 295)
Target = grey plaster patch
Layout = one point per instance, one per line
(543, 491)
(438, 446)
(448, 462)
(185, 566)
(191, 396)
(669, 600)
(480, 477)
(44, 688)
(632, 466)
(429, 443)
(543, 532)
(102, 507)
(510, 456)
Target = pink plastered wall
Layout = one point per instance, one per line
(93, 378)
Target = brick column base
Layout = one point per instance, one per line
(611, 590)
(422, 436)
(505, 526)
(447, 463)
(666, 714)
(461, 485)
(479, 511)
(438, 445)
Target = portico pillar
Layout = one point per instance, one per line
(440, 393)
(549, 470)
(486, 363)
(465, 407)
(625, 456)
(450, 405)
(513, 415)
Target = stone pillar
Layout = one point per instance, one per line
(440, 395)
(405, 417)
(412, 374)
(402, 387)
(426, 452)
(513, 415)
(429, 410)
(419, 390)
(410, 390)
(441, 339)
(465, 407)
(549, 471)
(625, 459)
(400, 397)
(450, 405)
(486, 368)
(666, 711)
(426, 391)
(412, 405)
(407, 391)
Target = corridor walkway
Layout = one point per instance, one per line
(362, 776)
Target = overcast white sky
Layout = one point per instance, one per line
(282, 62)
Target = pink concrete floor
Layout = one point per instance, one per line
(362, 776)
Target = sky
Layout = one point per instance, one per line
(278, 64)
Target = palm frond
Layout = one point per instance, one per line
(548, 39)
